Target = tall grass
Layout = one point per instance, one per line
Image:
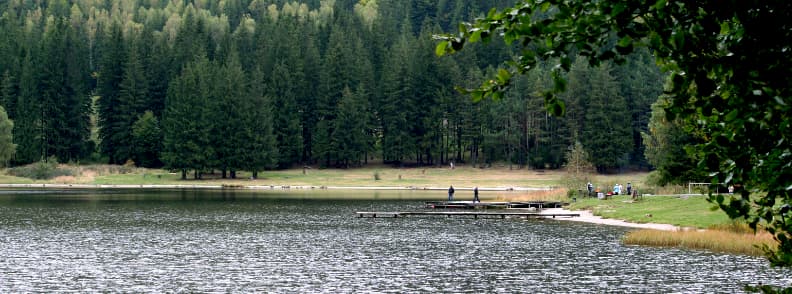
(557, 194)
(731, 238)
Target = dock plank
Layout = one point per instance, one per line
(503, 214)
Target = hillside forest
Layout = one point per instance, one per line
(269, 84)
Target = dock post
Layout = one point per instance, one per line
(475, 216)
(503, 216)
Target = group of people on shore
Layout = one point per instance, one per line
(475, 194)
(618, 189)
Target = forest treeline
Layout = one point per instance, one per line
(259, 84)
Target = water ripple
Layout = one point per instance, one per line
(319, 246)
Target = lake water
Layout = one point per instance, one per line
(311, 241)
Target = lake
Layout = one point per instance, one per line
(311, 241)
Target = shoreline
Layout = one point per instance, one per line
(261, 187)
(587, 217)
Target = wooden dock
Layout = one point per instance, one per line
(493, 205)
(501, 214)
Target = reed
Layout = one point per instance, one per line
(557, 194)
(724, 240)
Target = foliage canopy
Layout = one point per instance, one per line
(730, 76)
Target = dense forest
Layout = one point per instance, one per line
(261, 84)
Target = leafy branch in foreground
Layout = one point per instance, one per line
(730, 78)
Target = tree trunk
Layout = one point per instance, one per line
(233, 174)
(224, 173)
(255, 174)
(184, 174)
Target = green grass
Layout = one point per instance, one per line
(690, 211)
(362, 177)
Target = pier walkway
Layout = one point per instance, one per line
(494, 205)
(501, 214)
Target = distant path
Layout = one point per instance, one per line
(587, 217)
(260, 187)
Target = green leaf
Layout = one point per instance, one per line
(475, 36)
(566, 63)
(625, 42)
(618, 8)
(659, 4)
(440, 50)
(545, 6)
(503, 76)
(556, 108)
(731, 115)
(477, 95)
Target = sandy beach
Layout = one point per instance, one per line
(588, 217)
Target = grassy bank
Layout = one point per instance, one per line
(714, 239)
(706, 228)
(370, 176)
(685, 211)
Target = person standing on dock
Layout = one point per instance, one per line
(475, 195)
(451, 193)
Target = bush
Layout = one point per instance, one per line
(377, 176)
(42, 170)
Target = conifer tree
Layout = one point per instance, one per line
(186, 120)
(285, 115)
(350, 126)
(606, 131)
(28, 133)
(111, 74)
(7, 146)
(63, 82)
(147, 140)
(132, 96)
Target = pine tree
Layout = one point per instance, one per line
(228, 131)
(111, 74)
(28, 133)
(8, 93)
(63, 83)
(132, 96)
(147, 140)
(259, 151)
(186, 124)
(393, 108)
(606, 131)
(7, 146)
(285, 115)
(350, 126)
(335, 75)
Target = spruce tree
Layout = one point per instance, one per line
(111, 74)
(7, 146)
(606, 131)
(228, 115)
(63, 83)
(147, 140)
(28, 133)
(132, 99)
(350, 126)
(186, 120)
(285, 115)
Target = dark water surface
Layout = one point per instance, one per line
(212, 241)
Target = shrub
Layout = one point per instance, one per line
(42, 170)
(377, 176)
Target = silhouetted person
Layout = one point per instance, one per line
(451, 193)
(475, 195)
